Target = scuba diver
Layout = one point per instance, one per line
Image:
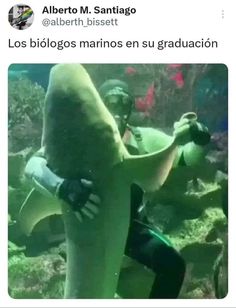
(144, 244)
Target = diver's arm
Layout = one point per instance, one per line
(42, 178)
(194, 151)
(77, 193)
(190, 153)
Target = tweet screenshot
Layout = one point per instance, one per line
(116, 182)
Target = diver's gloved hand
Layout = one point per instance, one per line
(78, 194)
(199, 134)
(188, 129)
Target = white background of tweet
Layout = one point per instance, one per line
(154, 20)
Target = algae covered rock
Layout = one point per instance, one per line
(191, 217)
(25, 100)
(35, 277)
(18, 189)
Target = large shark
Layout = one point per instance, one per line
(81, 139)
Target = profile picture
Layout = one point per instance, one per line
(21, 16)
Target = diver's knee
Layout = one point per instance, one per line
(169, 259)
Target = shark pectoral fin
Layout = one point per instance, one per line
(150, 171)
(35, 208)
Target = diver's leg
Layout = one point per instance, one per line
(169, 267)
(151, 250)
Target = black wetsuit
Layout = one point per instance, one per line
(148, 248)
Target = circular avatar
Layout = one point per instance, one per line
(21, 16)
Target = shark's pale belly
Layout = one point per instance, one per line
(95, 247)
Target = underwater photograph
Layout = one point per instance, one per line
(117, 181)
